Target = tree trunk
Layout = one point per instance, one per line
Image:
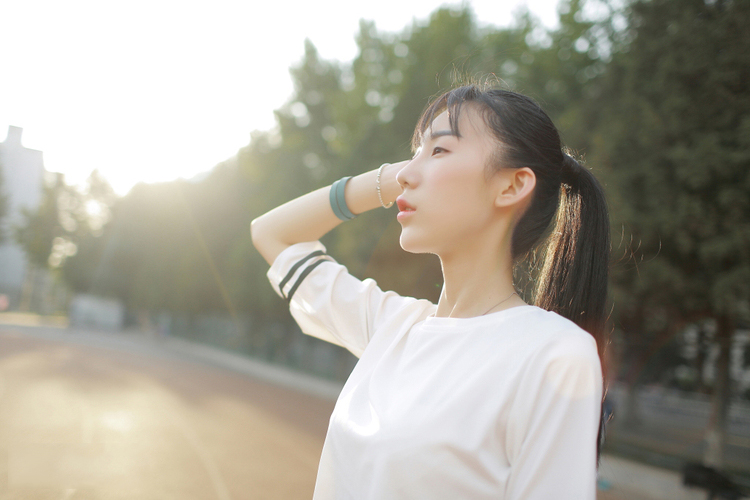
(27, 289)
(630, 413)
(716, 432)
(700, 359)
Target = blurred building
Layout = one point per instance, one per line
(90, 311)
(22, 171)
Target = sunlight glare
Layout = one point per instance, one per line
(150, 91)
(118, 421)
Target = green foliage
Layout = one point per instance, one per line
(168, 246)
(65, 217)
(39, 228)
(671, 140)
(674, 138)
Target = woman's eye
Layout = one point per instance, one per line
(438, 150)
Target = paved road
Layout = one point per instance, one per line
(81, 422)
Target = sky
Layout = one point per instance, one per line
(154, 90)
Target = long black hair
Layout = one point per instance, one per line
(567, 218)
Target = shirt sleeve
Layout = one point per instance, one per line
(329, 303)
(554, 423)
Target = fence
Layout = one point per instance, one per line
(669, 429)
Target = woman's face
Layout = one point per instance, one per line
(445, 184)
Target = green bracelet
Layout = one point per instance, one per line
(338, 200)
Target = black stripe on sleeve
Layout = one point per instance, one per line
(302, 276)
(294, 270)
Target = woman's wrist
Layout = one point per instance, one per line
(361, 191)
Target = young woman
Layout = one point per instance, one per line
(479, 396)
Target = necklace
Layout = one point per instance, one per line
(506, 298)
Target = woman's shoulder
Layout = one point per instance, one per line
(555, 335)
(561, 353)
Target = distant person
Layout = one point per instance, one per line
(480, 396)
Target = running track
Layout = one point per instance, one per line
(110, 422)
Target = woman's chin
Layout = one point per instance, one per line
(411, 244)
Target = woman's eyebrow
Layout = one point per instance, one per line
(440, 133)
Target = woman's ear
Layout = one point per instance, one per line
(516, 186)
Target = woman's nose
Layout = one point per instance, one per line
(406, 176)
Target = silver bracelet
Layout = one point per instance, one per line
(377, 185)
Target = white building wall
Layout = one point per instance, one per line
(23, 176)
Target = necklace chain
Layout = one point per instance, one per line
(506, 298)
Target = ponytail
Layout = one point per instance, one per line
(573, 279)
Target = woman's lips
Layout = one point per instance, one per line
(403, 205)
(404, 209)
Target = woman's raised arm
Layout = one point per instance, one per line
(310, 216)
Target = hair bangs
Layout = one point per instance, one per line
(451, 102)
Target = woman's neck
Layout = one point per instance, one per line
(477, 280)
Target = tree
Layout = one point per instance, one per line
(40, 227)
(675, 139)
(65, 216)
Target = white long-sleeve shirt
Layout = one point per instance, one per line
(501, 406)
